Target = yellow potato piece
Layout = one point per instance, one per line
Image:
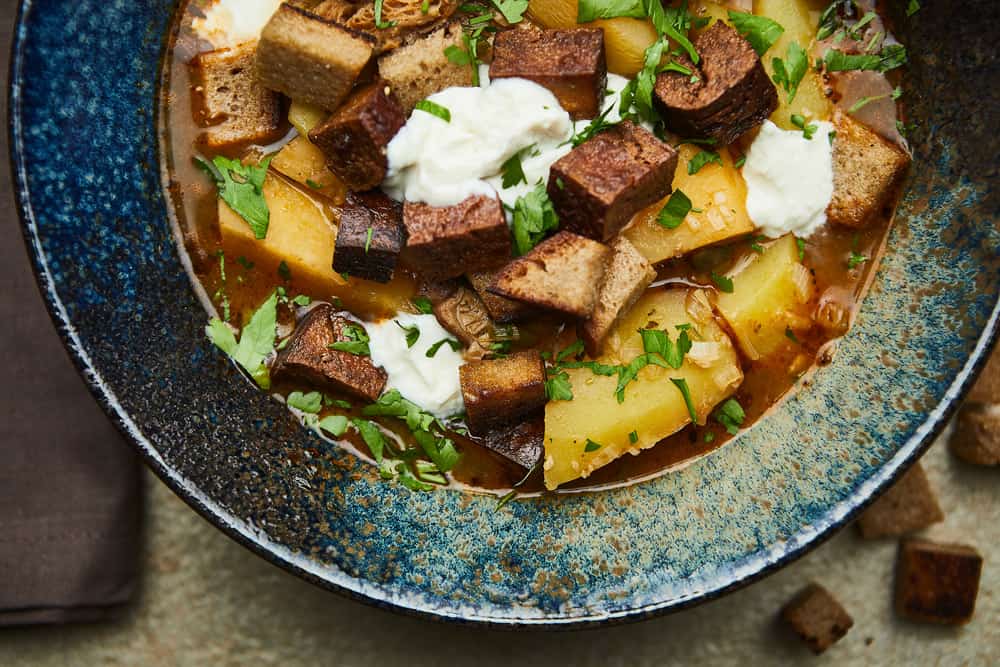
(301, 161)
(771, 293)
(302, 233)
(654, 407)
(625, 39)
(305, 117)
(719, 195)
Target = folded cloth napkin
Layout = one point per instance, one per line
(70, 488)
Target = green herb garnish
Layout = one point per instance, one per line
(788, 73)
(682, 386)
(412, 333)
(591, 446)
(256, 340)
(724, 283)
(381, 25)
(241, 186)
(760, 31)
(674, 211)
(434, 109)
(355, 341)
(890, 57)
(452, 343)
(534, 217)
(731, 415)
(511, 170)
(422, 304)
(701, 159)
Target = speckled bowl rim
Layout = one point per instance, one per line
(765, 562)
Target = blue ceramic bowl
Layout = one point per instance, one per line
(83, 111)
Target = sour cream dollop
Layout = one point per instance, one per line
(430, 382)
(232, 22)
(789, 180)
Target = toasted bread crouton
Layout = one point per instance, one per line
(308, 358)
(817, 618)
(908, 505)
(976, 438)
(309, 58)
(561, 273)
(229, 103)
(627, 277)
(447, 241)
(370, 236)
(501, 310)
(502, 391)
(418, 70)
(866, 170)
(987, 387)
(570, 63)
(598, 186)
(464, 315)
(521, 443)
(937, 583)
(401, 18)
(354, 138)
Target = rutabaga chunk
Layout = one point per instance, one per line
(653, 407)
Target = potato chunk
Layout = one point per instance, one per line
(302, 162)
(653, 407)
(719, 194)
(770, 294)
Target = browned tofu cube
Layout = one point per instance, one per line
(308, 357)
(908, 505)
(464, 315)
(502, 391)
(817, 618)
(311, 59)
(598, 186)
(354, 138)
(370, 236)
(867, 170)
(521, 443)
(627, 277)
(421, 68)
(229, 103)
(500, 309)
(976, 438)
(561, 273)
(729, 94)
(570, 63)
(447, 241)
(987, 387)
(937, 583)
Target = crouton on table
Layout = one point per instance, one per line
(420, 69)
(627, 277)
(570, 63)
(502, 391)
(908, 505)
(730, 93)
(354, 138)
(501, 309)
(817, 618)
(937, 583)
(976, 438)
(447, 241)
(370, 236)
(986, 390)
(598, 186)
(562, 273)
(229, 103)
(866, 170)
(309, 58)
(309, 358)
(522, 443)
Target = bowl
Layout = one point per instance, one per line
(83, 110)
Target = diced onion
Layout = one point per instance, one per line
(803, 282)
(703, 353)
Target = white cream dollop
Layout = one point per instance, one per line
(789, 180)
(430, 382)
(232, 22)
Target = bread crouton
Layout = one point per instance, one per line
(308, 357)
(908, 505)
(309, 58)
(447, 241)
(866, 170)
(418, 70)
(354, 138)
(370, 236)
(976, 438)
(502, 391)
(817, 618)
(570, 63)
(561, 273)
(501, 309)
(937, 583)
(598, 186)
(986, 390)
(521, 443)
(229, 103)
(627, 277)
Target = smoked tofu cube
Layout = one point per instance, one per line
(502, 391)
(627, 277)
(866, 172)
(570, 63)
(311, 59)
(370, 236)
(937, 583)
(976, 438)
(308, 358)
(598, 186)
(501, 309)
(521, 443)
(447, 241)
(562, 273)
(229, 103)
(908, 505)
(354, 138)
(419, 69)
(817, 618)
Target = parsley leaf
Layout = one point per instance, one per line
(311, 402)
(379, 23)
(809, 130)
(256, 340)
(891, 57)
(512, 10)
(591, 446)
(731, 415)
(701, 159)
(790, 335)
(655, 341)
(674, 23)
(534, 217)
(856, 259)
(372, 436)
(512, 172)
(633, 437)
(590, 10)
(788, 73)
(355, 341)
(760, 31)
(434, 109)
(422, 304)
(724, 283)
(452, 343)
(335, 425)
(674, 211)
(241, 187)
(912, 7)
(682, 385)
(645, 81)
(558, 387)
(596, 126)
(412, 333)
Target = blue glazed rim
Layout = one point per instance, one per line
(762, 563)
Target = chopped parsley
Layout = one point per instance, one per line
(801, 243)
(284, 272)
(557, 385)
(674, 211)
(241, 186)
(512, 10)
(760, 31)
(337, 402)
(790, 335)
(372, 436)
(310, 402)
(534, 217)
(731, 415)
(256, 340)
(355, 341)
(313, 184)
(740, 161)
(302, 300)
(865, 101)
(755, 244)
(511, 170)
(595, 127)
(682, 386)
(890, 57)
(701, 159)
(422, 304)
(510, 495)
(591, 10)
(808, 130)
(788, 73)
(434, 109)
(379, 23)
(856, 259)
(591, 446)
(708, 437)
(633, 437)
(659, 351)
(724, 283)
(368, 238)
(412, 333)
(912, 7)
(426, 429)
(452, 343)
(335, 425)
